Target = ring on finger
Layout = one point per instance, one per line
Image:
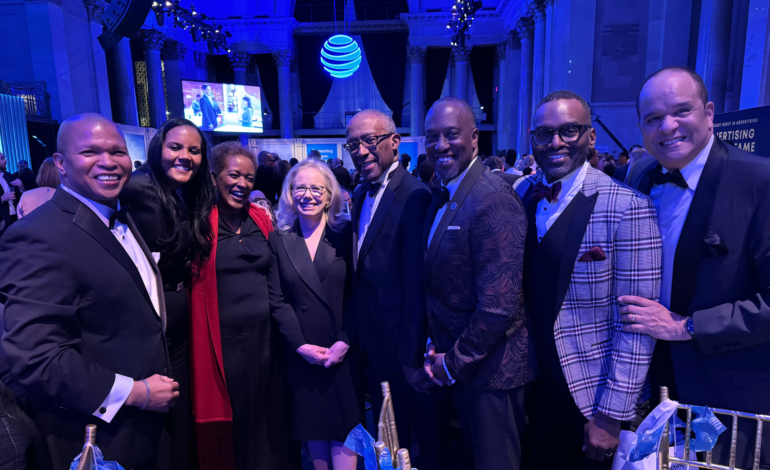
(633, 318)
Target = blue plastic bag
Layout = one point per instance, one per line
(101, 464)
(707, 428)
(362, 443)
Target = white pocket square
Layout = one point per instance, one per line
(453, 227)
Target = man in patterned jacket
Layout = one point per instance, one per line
(590, 240)
(474, 235)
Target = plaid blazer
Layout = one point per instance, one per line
(604, 366)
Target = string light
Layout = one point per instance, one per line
(193, 21)
(463, 13)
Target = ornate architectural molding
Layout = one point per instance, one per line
(152, 40)
(239, 60)
(356, 27)
(174, 50)
(201, 60)
(514, 40)
(416, 54)
(525, 26)
(537, 10)
(461, 53)
(95, 8)
(283, 58)
(443, 16)
(501, 48)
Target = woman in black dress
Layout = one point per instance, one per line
(236, 413)
(309, 284)
(169, 198)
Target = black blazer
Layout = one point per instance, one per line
(507, 177)
(269, 182)
(209, 113)
(389, 309)
(722, 278)
(342, 176)
(306, 298)
(76, 313)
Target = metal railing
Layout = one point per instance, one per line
(37, 102)
(334, 120)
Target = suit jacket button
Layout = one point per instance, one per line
(304, 308)
(102, 410)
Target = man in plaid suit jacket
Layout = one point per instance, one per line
(590, 240)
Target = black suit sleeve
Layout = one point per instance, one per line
(42, 335)
(282, 311)
(414, 319)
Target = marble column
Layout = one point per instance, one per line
(714, 49)
(173, 55)
(125, 96)
(513, 84)
(525, 28)
(152, 41)
(550, 13)
(201, 65)
(283, 63)
(240, 63)
(416, 55)
(501, 123)
(461, 55)
(538, 56)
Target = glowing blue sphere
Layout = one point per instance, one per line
(341, 56)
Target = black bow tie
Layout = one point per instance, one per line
(120, 216)
(675, 177)
(372, 188)
(441, 193)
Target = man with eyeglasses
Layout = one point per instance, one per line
(590, 240)
(389, 293)
(713, 202)
(267, 180)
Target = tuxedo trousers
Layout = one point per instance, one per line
(425, 413)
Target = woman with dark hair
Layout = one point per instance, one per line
(234, 401)
(47, 182)
(169, 198)
(248, 112)
(283, 168)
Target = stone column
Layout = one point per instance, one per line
(501, 123)
(755, 86)
(714, 49)
(152, 41)
(550, 13)
(125, 86)
(525, 28)
(538, 57)
(461, 55)
(513, 83)
(240, 63)
(283, 62)
(416, 55)
(201, 65)
(173, 55)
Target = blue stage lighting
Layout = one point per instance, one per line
(343, 54)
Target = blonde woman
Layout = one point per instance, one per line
(309, 283)
(47, 182)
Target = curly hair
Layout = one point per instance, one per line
(227, 150)
(286, 214)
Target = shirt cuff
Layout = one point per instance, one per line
(118, 395)
(447, 372)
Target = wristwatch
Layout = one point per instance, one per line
(689, 326)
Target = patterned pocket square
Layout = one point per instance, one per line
(594, 254)
(453, 227)
(714, 245)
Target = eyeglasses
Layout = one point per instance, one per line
(371, 141)
(567, 134)
(316, 191)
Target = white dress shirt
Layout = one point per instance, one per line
(514, 171)
(452, 188)
(672, 204)
(370, 204)
(548, 212)
(122, 386)
(6, 189)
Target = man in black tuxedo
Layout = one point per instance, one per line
(209, 109)
(389, 316)
(341, 173)
(7, 196)
(84, 313)
(268, 180)
(713, 204)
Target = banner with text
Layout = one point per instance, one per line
(748, 129)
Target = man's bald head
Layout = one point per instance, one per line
(451, 137)
(454, 105)
(80, 123)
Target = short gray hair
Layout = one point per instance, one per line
(287, 216)
(390, 125)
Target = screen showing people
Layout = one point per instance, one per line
(223, 107)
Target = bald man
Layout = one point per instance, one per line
(474, 238)
(84, 311)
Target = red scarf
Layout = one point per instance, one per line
(211, 402)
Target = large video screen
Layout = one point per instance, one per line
(223, 107)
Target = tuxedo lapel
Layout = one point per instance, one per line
(357, 204)
(381, 213)
(579, 212)
(325, 253)
(432, 210)
(154, 265)
(690, 247)
(476, 170)
(299, 256)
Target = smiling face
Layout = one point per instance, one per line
(451, 137)
(235, 183)
(371, 162)
(675, 123)
(181, 157)
(92, 158)
(558, 158)
(306, 204)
